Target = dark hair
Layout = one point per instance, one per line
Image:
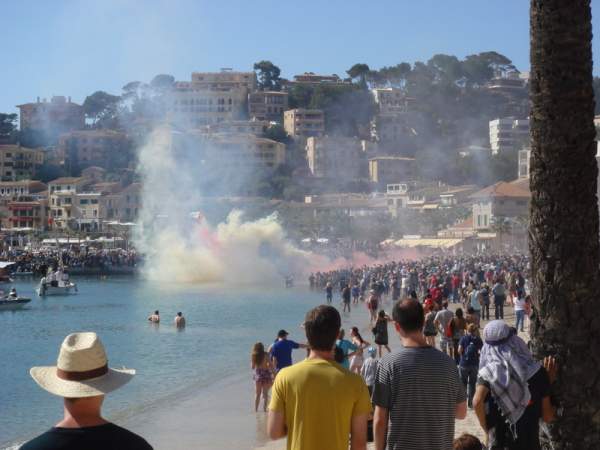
(467, 442)
(459, 313)
(322, 325)
(156, 312)
(381, 314)
(409, 315)
(179, 313)
(470, 310)
(357, 334)
(445, 305)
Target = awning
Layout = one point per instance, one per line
(431, 243)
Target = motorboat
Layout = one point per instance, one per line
(12, 303)
(56, 287)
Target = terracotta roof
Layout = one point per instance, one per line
(67, 180)
(502, 189)
(466, 224)
(522, 183)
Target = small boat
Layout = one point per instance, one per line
(12, 303)
(56, 288)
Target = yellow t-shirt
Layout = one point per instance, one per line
(319, 399)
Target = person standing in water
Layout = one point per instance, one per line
(329, 292)
(263, 374)
(346, 297)
(179, 320)
(154, 318)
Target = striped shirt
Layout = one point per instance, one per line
(420, 388)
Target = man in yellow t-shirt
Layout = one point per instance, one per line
(317, 403)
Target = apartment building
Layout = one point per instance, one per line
(209, 98)
(28, 212)
(505, 200)
(102, 148)
(48, 119)
(508, 134)
(230, 150)
(384, 170)
(524, 163)
(391, 100)
(124, 205)
(253, 126)
(19, 163)
(62, 199)
(336, 157)
(267, 105)
(11, 191)
(305, 123)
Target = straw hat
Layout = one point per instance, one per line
(81, 370)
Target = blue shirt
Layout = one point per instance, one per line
(282, 352)
(346, 347)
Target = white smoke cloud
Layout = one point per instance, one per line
(182, 247)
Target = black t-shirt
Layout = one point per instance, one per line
(500, 436)
(101, 437)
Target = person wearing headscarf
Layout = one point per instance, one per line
(513, 390)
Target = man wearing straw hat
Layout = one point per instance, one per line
(82, 377)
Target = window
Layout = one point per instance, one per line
(83, 201)
(485, 220)
(94, 201)
(67, 200)
(478, 221)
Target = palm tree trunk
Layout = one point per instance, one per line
(563, 229)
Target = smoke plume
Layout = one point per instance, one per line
(182, 246)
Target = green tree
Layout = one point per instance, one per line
(446, 68)
(162, 82)
(359, 72)
(564, 245)
(268, 76)
(8, 127)
(101, 107)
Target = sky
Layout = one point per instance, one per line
(76, 47)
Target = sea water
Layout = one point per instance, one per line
(223, 323)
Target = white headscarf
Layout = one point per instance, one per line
(507, 364)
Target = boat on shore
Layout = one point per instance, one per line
(12, 303)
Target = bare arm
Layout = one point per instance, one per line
(276, 428)
(479, 405)
(380, 424)
(358, 432)
(302, 345)
(548, 411)
(461, 410)
(460, 350)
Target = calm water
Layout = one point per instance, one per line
(222, 325)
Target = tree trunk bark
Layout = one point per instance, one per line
(563, 228)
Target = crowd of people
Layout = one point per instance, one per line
(351, 389)
(446, 365)
(38, 261)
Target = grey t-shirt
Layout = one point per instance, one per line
(420, 388)
(444, 317)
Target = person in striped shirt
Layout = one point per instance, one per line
(416, 387)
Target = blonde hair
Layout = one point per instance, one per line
(258, 354)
